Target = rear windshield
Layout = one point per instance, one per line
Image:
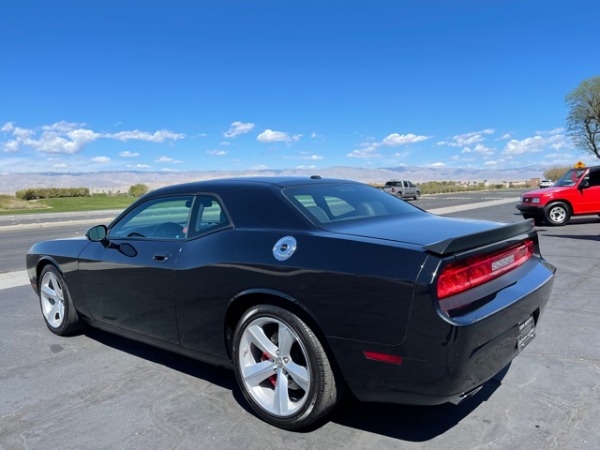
(329, 203)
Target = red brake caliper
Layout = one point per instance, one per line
(272, 378)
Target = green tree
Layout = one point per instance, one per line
(137, 190)
(583, 121)
(554, 173)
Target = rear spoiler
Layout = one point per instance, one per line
(469, 241)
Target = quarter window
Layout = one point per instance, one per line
(208, 216)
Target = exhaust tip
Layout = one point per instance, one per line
(462, 397)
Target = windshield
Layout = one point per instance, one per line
(570, 178)
(329, 203)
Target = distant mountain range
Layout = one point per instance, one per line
(121, 181)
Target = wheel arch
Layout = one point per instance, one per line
(559, 200)
(41, 265)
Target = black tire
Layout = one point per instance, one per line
(536, 219)
(557, 213)
(55, 302)
(417, 196)
(282, 368)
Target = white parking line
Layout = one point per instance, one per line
(13, 279)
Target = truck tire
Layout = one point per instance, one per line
(557, 213)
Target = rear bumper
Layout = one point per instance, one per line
(444, 364)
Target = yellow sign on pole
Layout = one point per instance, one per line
(579, 165)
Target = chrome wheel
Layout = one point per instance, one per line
(52, 299)
(282, 368)
(557, 214)
(274, 366)
(57, 308)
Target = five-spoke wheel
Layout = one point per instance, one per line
(282, 368)
(55, 302)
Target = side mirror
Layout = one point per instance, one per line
(97, 233)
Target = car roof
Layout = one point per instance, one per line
(246, 182)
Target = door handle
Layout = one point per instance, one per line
(161, 257)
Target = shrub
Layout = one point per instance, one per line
(137, 190)
(36, 193)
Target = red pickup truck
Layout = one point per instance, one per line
(576, 193)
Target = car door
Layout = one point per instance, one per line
(128, 280)
(589, 193)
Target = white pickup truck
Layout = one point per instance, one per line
(402, 189)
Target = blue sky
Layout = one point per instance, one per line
(237, 85)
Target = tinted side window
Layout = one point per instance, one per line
(208, 215)
(594, 178)
(162, 218)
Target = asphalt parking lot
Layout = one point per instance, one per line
(97, 391)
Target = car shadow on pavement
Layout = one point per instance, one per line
(408, 423)
(412, 423)
(219, 376)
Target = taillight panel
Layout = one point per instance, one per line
(466, 274)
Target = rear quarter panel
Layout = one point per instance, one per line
(351, 288)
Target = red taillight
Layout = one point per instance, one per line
(463, 275)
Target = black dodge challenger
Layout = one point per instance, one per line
(306, 287)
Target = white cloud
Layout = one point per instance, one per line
(55, 142)
(128, 154)
(167, 159)
(552, 132)
(259, 167)
(490, 163)
(467, 139)
(60, 166)
(63, 126)
(479, 148)
(369, 151)
(60, 137)
(11, 146)
(535, 144)
(158, 136)
(69, 137)
(437, 164)
(306, 167)
(395, 139)
(237, 128)
(369, 148)
(100, 159)
(307, 156)
(216, 152)
(138, 166)
(8, 127)
(269, 136)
